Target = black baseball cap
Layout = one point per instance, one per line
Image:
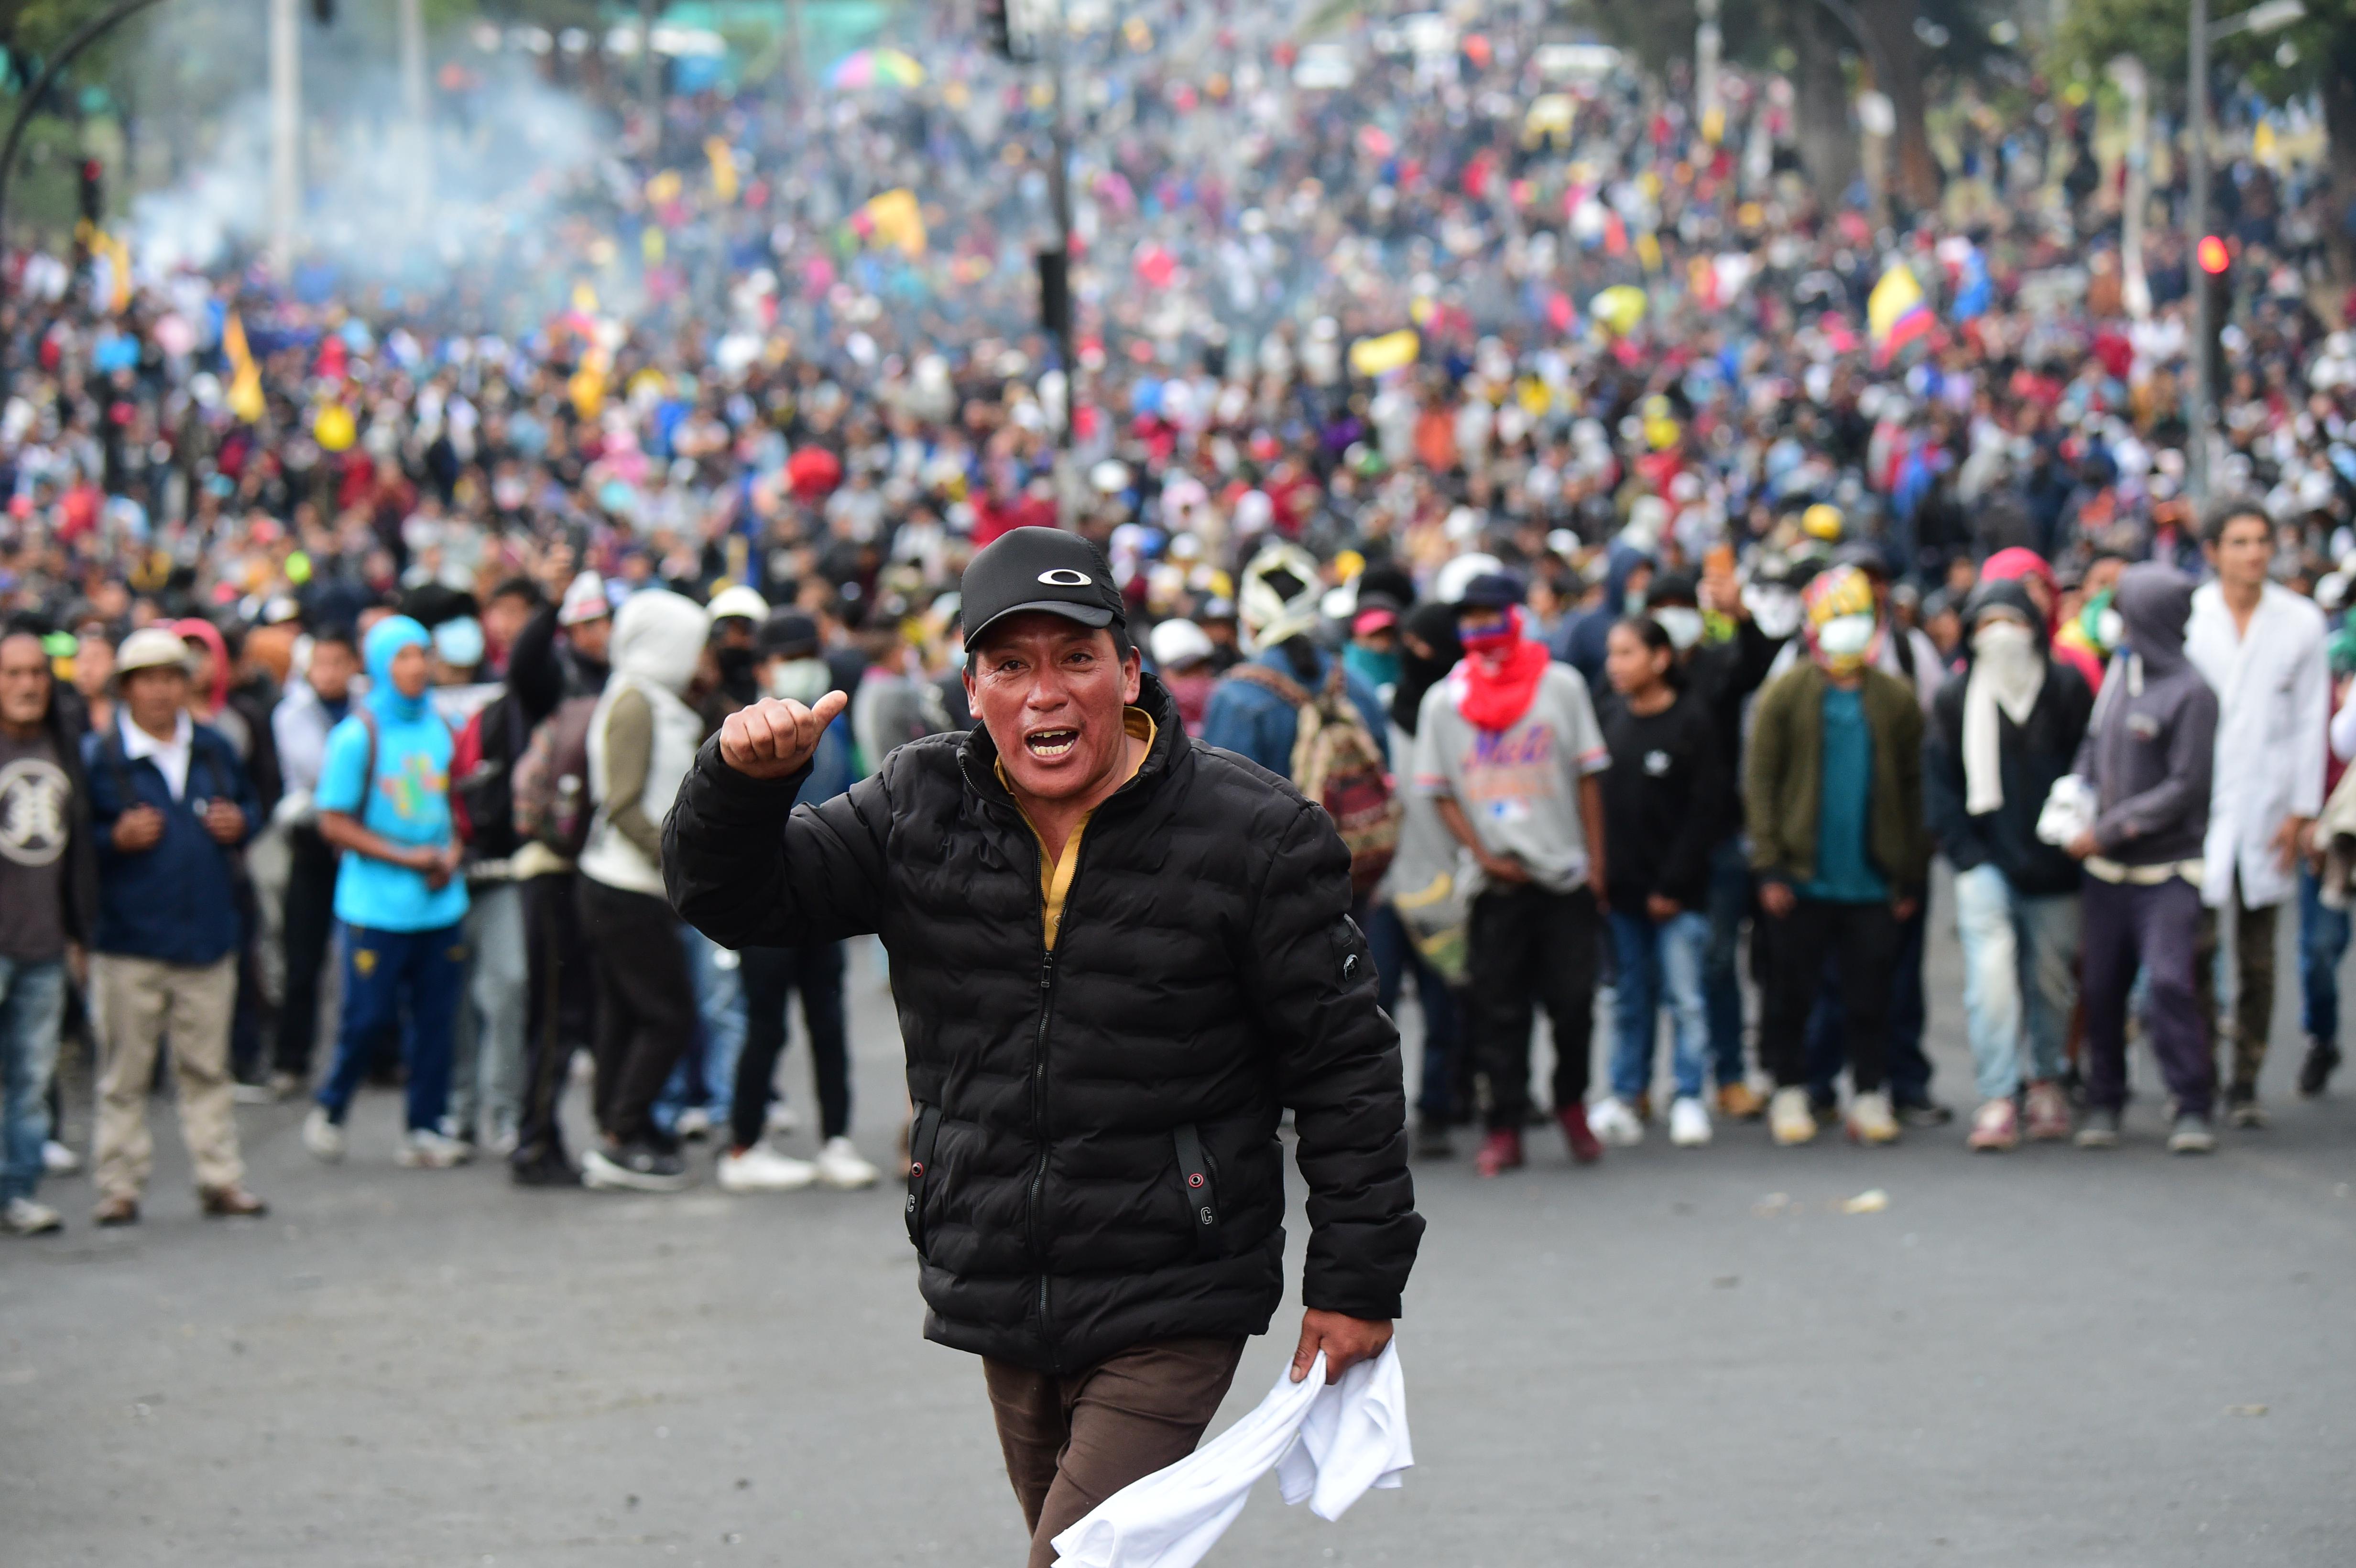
(789, 632)
(1038, 569)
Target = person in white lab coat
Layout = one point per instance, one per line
(2261, 647)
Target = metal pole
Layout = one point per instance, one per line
(2196, 224)
(1059, 186)
(651, 72)
(1706, 40)
(413, 107)
(285, 130)
(2128, 72)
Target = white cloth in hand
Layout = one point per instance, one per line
(2069, 809)
(1328, 1445)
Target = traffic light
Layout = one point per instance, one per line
(998, 30)
(2215, 259)
(1055, 295)
(92, 190)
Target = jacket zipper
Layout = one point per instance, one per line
(1039, 1120)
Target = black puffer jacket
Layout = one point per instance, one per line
(1206, 973)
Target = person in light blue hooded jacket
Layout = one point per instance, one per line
(384, 801)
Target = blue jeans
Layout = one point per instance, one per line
(1444, 1042)
(2323, 943)
(2020, 954)
(1660, 962)
(1721, 978)
(416, 977)
(720, 1033)
(32, 1007)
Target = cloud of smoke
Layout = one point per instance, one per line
(499, 161)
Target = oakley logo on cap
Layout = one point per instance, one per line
(1065, 576)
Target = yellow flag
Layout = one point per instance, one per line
(1391, 351)
(898, 222)
(723, 168)
(245, 398)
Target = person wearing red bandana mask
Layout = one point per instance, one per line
(1508, 749)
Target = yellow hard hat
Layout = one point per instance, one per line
(1821, 521)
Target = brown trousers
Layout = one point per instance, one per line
(1072, 1442)
(139, 1001)
(2254, 985)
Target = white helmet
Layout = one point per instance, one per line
(1449, 584)
(1177, 642)
(1277, 600)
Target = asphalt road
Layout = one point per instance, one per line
(1678, 1357)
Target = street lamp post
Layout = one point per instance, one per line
(2204, 33)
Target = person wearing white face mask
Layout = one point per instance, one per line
(790, 669)
(1997, 740)
(1833, 797)
(1720, 676)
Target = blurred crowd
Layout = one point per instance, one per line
(371, 612)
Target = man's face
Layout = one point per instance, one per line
(504, 619)
(155, 696)
(413, 671)
(1050, 691)
(589, 638)
(24, 680)
(2242, 552)
(332, 668)
(93, 664)
(736, 632)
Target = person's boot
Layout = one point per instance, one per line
(1585, 1147)
(1739, 1101)
(2242, 1107)
(2314, 1073)
(1499, 1151)
(1433, 1140)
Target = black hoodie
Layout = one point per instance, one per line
(2031, 756)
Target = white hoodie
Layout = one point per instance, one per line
(657, 639)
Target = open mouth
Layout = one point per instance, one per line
(1049, 744)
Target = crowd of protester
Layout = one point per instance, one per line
(1488, 449)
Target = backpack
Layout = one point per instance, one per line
(483, 759)
(551, 797)
(1337, 764)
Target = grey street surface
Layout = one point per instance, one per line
(1677, 1357)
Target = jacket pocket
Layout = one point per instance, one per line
(924, 1132)
(1196, 1188)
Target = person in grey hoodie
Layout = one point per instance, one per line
(2147, 754)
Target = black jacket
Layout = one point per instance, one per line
(2030, 757)
(1208, 974)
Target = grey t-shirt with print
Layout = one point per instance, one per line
(34, 823)
(1518, 786)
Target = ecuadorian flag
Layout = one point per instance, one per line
(1896, 314)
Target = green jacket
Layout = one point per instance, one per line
(1785, 774)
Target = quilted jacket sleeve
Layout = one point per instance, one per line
(748, 869)
(1312, 982)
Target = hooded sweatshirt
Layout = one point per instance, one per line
(403, 796)
(642, 738)
(2150, 750)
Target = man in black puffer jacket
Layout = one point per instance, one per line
(1118, 956)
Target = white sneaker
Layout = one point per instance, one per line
(1789, 1119)
(1870, 1119)
(782, 1118)
(839, 1165)
(322, 1137)
(59, 1160)
(763, 1170)
(27, 1218)
(695, 1121)
(1689, 1122)
(1611, 1120)
(427, 1151)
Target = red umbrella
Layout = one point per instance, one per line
(813, 472)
